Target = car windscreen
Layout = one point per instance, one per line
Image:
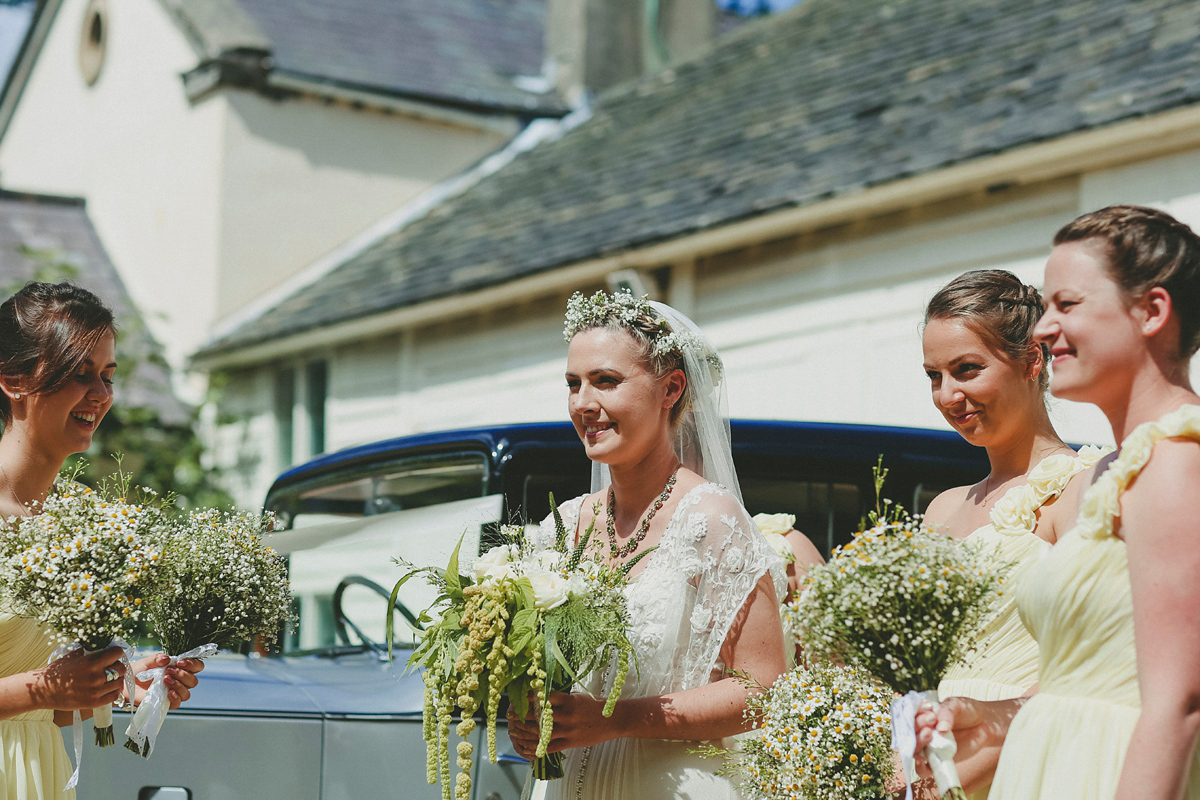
(381, 488)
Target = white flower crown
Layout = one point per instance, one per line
(624, 308)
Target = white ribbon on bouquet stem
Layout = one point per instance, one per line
(939, 753)
(101, 714)
(148, 719)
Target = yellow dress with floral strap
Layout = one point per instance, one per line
(1069, 741)
(35, 762)
(1005, 661)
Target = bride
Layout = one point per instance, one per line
(644, 396)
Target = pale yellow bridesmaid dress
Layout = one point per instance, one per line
(1068, 742)
(35, 762)
(1005, 661)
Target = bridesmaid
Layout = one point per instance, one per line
(1114, 604)
(988, 377)
(57, 359)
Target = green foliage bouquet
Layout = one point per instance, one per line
(86, 566)
(520, 622)
(221, 586)
(902, 603)
(822, 733)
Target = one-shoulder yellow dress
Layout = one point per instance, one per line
(1069, 741)
(35, 762)
(1005, 660)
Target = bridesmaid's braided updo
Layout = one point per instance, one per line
(999, 307)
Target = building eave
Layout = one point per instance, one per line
(254, 70)
(1100, 148)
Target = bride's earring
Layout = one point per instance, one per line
(16, 397)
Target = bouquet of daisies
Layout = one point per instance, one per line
(522, 623)
(821, 733)
(902, 603)
(86, 566)
(221, 586)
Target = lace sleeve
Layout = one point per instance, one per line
(733, 557)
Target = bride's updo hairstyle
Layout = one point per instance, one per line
(1147, 248)
(662, 348)
(999, 307)
(47, 332)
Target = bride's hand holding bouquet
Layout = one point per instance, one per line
(522, 623)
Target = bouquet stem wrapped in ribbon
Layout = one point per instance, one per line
(902, 603)
(522, 623)
(149, 717)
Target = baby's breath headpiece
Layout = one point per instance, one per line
(625, 308)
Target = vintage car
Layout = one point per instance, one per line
(328, 716)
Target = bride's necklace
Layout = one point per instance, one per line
(619, 552)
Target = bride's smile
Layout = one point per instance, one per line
(619, 407)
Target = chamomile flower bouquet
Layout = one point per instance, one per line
(902, 603)
(521, 622)
(221, 586)
(86, 566)
(822, 732)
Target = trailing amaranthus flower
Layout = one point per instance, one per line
(523, 623)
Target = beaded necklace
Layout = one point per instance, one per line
(618, 552)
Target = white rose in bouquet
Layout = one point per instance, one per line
(495, 564)
(549, 589)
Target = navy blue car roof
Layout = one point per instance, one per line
(817, 440)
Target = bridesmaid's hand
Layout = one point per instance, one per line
(179, 679)
(79, 681)
(979, 728)
(578, 722)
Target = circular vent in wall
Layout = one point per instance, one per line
(92, 40)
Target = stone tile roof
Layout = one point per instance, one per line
(833, 97)
(464, 52)
(51, 238)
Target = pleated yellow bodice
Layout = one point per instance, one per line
(1005, 660)
(1069, 741)
(34, 761)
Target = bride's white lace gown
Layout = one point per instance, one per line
(682, 605)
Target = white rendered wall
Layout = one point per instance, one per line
(205, 207)
(299, 178)
(834, 334)
(147, 162)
